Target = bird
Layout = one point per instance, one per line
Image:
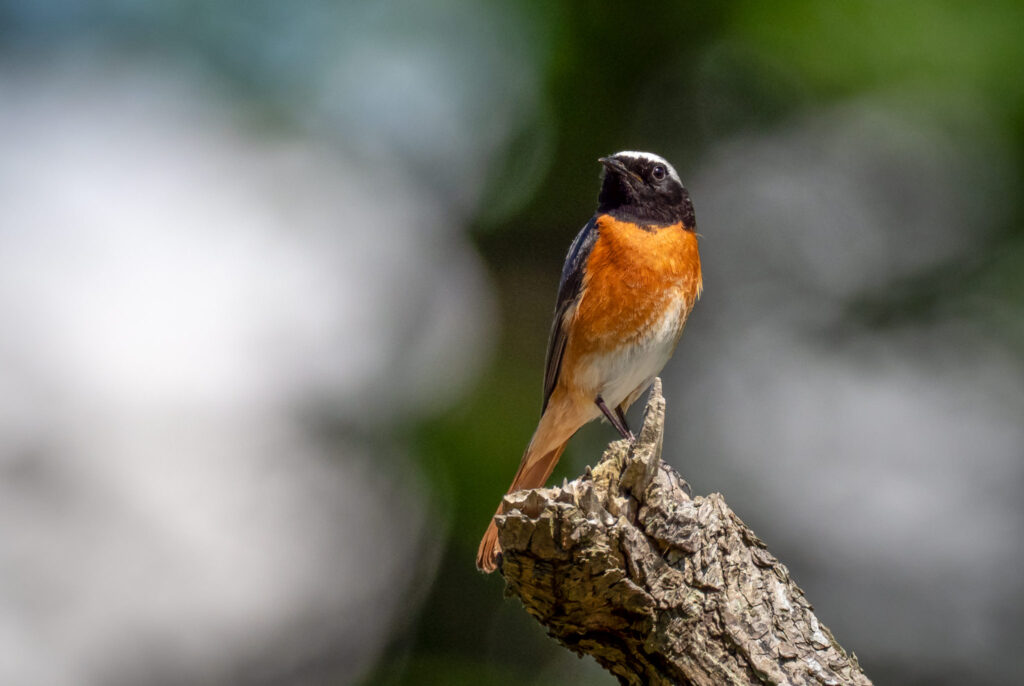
(630, 280)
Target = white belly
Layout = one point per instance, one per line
(626, 372)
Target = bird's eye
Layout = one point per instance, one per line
(659, 172)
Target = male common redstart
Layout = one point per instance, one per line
(630, 279)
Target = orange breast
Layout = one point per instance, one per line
(632, 275)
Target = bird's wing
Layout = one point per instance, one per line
(569, 290)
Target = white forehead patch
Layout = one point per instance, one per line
(651, 157)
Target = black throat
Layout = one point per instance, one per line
(650, 211)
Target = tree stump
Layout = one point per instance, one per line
(661, 587)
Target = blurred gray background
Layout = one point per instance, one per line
(276, 280)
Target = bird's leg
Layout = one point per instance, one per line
(616, 419)
(621, 414)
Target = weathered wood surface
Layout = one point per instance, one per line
(661, 587)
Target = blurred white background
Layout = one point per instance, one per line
(178, 296)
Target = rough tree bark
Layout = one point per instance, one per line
(661, 587)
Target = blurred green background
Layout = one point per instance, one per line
(330, 234)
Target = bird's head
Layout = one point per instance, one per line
(644, 188)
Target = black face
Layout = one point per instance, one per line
(644, 190)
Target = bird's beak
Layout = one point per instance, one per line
(614, 165)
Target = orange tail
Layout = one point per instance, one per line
(533, 472)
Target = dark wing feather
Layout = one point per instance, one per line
(569, 288)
